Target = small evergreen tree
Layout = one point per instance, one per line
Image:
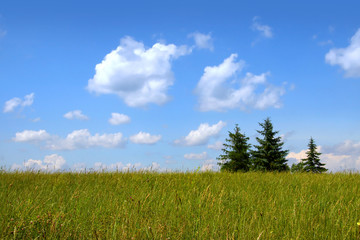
(312, 162)
(269, 155)
(236, 156)
(299, 167)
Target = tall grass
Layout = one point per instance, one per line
(152, 205)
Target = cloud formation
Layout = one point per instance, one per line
(137, 75)
(347, 58)
(196, 156)
(78, 139)
(202, 41)
(13, 103)
(216, 93)
(119, 166)
(209, 165)
(76, 114)
(52, 162)
(202, 135)
(264, 30)
(216, 146)
(145, 138)
(31, 136)
(118, 118)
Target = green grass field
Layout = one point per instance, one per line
(179, 205)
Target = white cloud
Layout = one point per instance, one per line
(13, 103)
(216, 94)
(209, 165)
(76, 114)
(202, 135)
(196, 156)
(118, 118)
(52, 162)
(119, 166)
(298, 156)
(216, 146)
(202, 41)
(145, 138)
(36, 119)
(31, 136)
(347, 58)
(137, 75)
(77, 139)
(264, 30)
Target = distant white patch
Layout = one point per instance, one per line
(118, 118)
(264, 30)
(347, 58)
(202, 41)
(209, 165)
(202, 135)
(52, 162)
(13, 103)
(196, 156)
(76, 114)
(137, 75)
(78, 139)
(216, 94)
(119, 166)
(36, 119)
(145, 138)
(216, 146)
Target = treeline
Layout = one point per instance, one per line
(268, 155)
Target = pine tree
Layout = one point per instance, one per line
(236, 156)
(297, 167)
(269, 155)
(312, 162)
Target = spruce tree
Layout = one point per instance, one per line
(269, 155)
(297, 167)
(236, 156)
(312, 162)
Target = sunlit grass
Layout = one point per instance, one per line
(149, 205)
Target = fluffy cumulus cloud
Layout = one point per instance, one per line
(31, 136)
(217, 93)
(201, 135)
(196, 156)
(264, 30)
(118, 118)
(76, 114)
(145, 138)
(52, 162)
(202, 41)
(13, 103)
(77, 139)
(137, 75)
(347, 58)
(341, 157)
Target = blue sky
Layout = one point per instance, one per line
(139, 84)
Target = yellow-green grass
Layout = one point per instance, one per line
(148, 205)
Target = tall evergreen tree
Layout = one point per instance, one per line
(236, 156)
(312, 162)
(269, 155)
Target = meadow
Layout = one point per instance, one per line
(191, 205)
